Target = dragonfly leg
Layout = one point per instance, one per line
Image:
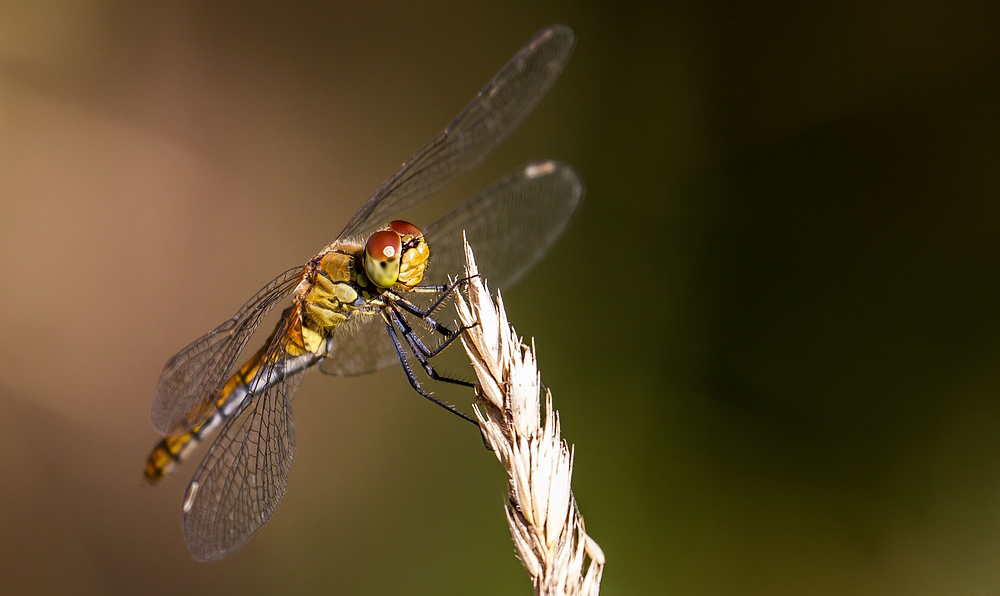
(444, 290)
(422, 352)
(449, 336)
(431, 322)
(412, 378)
(425, 313)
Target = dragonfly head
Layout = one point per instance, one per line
(397, 255)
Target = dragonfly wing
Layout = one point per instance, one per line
(510, 225)
(243, 476)
(488, 119)
(194, 376)
(359, 346)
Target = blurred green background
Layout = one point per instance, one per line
(772, 331)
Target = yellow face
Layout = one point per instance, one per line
(397, 255)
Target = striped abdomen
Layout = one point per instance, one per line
(173, 450)
(326, 298)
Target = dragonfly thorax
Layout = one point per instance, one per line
(331, 291)
(348, 277)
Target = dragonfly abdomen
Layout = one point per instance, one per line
(173, 450)
(303, 348)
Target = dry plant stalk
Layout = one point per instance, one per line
(545, 523)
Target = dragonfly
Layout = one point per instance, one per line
(355, 308)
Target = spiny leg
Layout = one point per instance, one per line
(444, 290)
(412, 378)
(422, 352)
(426, 313)
(430, 321)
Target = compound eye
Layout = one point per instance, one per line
(405, 228)
(382, 258)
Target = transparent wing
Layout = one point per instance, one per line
(487, 120)
(359, 346)
(510, 225)
(243, 476)
(196, 374)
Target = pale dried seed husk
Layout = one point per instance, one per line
(542, 513)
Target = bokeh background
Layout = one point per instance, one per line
(772, 331)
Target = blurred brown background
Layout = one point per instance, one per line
(772, 331)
